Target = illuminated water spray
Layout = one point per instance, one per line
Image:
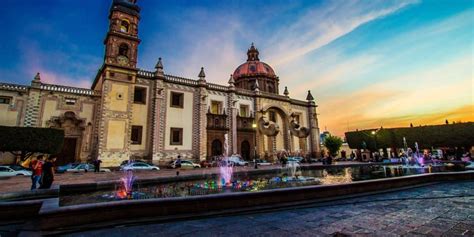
(226, 169)
(126, 190)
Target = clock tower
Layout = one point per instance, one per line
(121, 42)
(116, 80)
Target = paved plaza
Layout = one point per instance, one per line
(445, 209)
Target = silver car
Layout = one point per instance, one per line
(139, 166)
(85, 168)
(6, 171)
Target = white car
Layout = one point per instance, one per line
(6, 171)
(263, 162)
(139, 166)
(237, 161)
(85, 168)
(185, 164)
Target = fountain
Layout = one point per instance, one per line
(126, 189)
(226, 168)
(418, 158)
(293, 171)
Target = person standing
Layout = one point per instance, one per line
(97, 165)
(37, 170)
(178, 165)
(48, 173)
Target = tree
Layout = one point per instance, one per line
(24, 141)
(333, 144)
(450, 135)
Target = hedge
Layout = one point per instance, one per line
(30, 139)
(448, 135)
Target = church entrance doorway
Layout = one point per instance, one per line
(245, 150)
(216, 148)
(68, 153)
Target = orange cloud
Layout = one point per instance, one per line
(358, 121)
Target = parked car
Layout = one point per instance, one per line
(237, 161)
(6, 171)
(263, 162)
(185, 164)
(139, 166)
(64, 168)
(18, 167)
(295, 159)
(84, 167)
(126, 162)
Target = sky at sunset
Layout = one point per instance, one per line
(367, 63)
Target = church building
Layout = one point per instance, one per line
(155, 116)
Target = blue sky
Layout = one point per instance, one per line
(367, 63)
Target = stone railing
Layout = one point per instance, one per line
(67, 89)
(241, 91)
(13, 87)
(181, 80)
(212, 86)
(273, 96)
(299, 102)
(147, 74)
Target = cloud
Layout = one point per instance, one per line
(49, 77)
(320, 27)
(421, 97)
(56, 66)
(214, 39)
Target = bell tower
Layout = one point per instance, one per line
(116, 81)
(121, 42)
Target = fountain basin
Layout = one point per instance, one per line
(186, 207)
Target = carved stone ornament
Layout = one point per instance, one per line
(268, 127)
(71, 124)
(297, 130)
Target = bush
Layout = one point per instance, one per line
(446, 135)
(30, 139)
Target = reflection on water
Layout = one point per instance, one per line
(345, 177)
(253, 183)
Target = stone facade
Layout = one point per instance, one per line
(151, 115)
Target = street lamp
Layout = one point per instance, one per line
(375, 143)
(254, 126)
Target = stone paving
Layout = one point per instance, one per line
(445, 209)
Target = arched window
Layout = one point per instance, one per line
(124, 26)
(123, 50)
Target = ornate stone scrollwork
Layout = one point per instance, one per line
(71, 124)
(268, 127)
(297, 130)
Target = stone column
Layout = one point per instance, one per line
(234, 128)
(157, 124)
(202, 123)
(315, 146)
(33, 103)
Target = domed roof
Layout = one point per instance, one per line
(253, 66)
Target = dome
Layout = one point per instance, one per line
(253, 66)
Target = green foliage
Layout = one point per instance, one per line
(333, 144)
(446, 135)
(29, 139)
